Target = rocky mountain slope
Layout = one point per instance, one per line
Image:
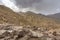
(27, 26)
(56, 16)
(27, 18)
(8, 16)
(39, 20)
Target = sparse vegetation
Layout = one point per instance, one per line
(28, 18)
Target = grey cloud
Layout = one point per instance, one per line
(40, 6)
(27, 3)
(44, 6)
(0, 2)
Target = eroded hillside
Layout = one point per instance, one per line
(27, 18)
(8, 16)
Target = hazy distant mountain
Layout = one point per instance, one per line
(27, 18)
(56, 16)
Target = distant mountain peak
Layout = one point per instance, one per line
(56, 16)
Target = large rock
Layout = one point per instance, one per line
(36, 34)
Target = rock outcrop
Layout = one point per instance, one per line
(11, 32)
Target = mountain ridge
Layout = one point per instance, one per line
(57, 15)
(7, 15)
(27, 18)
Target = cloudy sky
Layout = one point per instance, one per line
(40, 6)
